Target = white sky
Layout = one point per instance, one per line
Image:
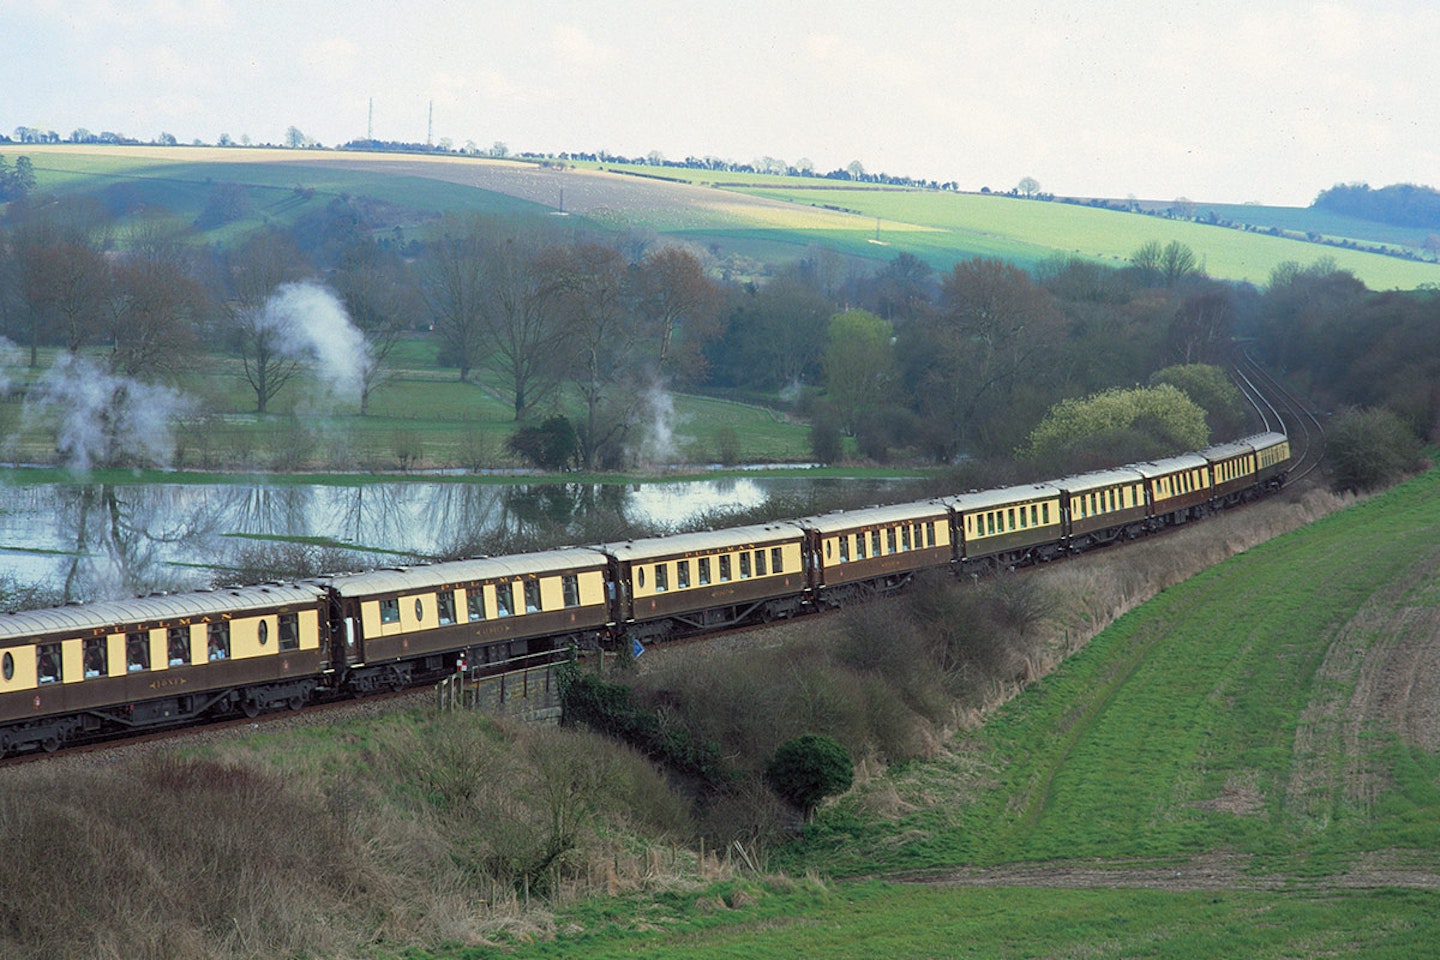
(1218, 101)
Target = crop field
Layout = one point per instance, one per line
(751, 215)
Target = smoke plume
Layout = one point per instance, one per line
(312, 325)
(102, 419)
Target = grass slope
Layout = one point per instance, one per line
(763, 218)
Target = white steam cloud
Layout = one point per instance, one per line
(312, 324)
(103, 419)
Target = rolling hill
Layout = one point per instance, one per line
(764, 219)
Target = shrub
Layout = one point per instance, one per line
(553, 445)
(808, 769)
(1369, 448)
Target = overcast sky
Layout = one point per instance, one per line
(1218, 101)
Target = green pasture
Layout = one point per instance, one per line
(420, 417)
(940, 226)
(864, 921)
(1029, 231)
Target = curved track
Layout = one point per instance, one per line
(1279, 408)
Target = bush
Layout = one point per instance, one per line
(553, 445)
(1369, 448)
(808, 769)
(825, 441)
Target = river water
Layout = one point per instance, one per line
(92, 541)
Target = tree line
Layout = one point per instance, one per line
(894, 360)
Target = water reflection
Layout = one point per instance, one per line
(90, 541)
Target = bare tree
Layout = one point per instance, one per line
(258, 269)
(454, 289)
(522, 336)
(679, 311)
(1028, 186)
(585, 285)
(155, 305)
(380, 297)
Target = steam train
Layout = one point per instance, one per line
(86, 671)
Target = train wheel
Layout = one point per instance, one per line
(50, 744)
(296, 702)
(250, 707)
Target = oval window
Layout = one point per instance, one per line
(640, 575)
(264, 632)
(419, 610)
(9, 666)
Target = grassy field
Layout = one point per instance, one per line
(747, 217)
(422, 417)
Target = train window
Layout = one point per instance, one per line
(640, 576)
(263, 632)
(759, 563)
(1034, 515)
(217, 642)
(419, 609)
(724, 567)
(475, 603)
(1024, 520)
(445, 606)
(829, 547)
(289, 631)
(904, 537)
(570, 587)
(844, 548)
(390, 611)
(532, 595)
(662, 578)
(859, 547)
(177, 646)
(745, 565)
(48, 662)
(97, 657)
(930, 533)
(704, 570)
(504, 600)
(1010, 518)
(989, 523)
(7, 665)
(137, 650)
(890, 540)
(1045, 512)
(874, 543)
(777, 560)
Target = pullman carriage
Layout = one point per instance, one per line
(1178, 487)
(1103, 506)
(1272, 458)
(1232, 471)
(875, 550)
(1009, 527)
(669, 586)
(399, 624)
(85, 670)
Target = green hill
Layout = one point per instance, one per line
(763, 218)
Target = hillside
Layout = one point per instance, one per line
(765, 219)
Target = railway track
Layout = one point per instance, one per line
(1280, 408)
